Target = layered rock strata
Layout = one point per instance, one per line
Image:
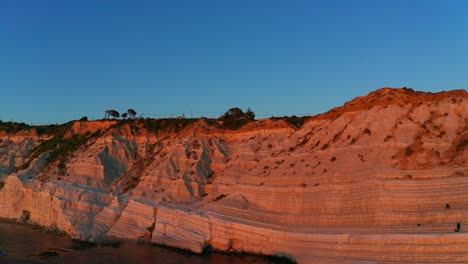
(382, 178)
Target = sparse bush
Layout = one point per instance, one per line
(462, 145)
(219, 197)
(48, 145)
(12, 127)
(409, 151)
(167, 124)
(337, 136)
(441, 134)
(293, 120)
(48, 129)
(303, 142)
(234, 124)
(68, 145)
(62, 168)
(131, 183)
(59, 146)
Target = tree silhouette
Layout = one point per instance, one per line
(124, 115)
(249, 114)
(112, 113)
(233, 113)
(237, 113)
(131, 113)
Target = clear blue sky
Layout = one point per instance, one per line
(61, 60)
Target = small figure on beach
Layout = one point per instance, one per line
(458, 226)
(447, 206)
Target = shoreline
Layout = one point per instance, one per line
(76, 245)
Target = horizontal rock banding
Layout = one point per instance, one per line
(375, 180)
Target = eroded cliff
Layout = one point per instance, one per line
(382, 178)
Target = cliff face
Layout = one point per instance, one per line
(382, 178)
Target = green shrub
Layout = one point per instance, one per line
(462, 145)
(293, 120)
(47, 129)
(59, 146)
(409, 151)
(13, 127)
(219, 197)
(234, 124)
(167, 124)
(367, 131)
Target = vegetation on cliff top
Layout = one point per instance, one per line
(293, 120)
(167, 124)
(14, 127)
(58, 145)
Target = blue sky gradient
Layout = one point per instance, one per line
(61, 60)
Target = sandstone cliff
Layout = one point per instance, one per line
(382, 178)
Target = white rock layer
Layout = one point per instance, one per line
(378, 182)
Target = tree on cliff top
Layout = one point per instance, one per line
(132, 113)
(234, 112)
(249, 114)
(237, 113)
(112, 113)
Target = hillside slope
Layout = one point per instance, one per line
(382, 178)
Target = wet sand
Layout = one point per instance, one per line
(32, 244)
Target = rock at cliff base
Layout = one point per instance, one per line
(25, 215)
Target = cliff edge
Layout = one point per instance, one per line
(382, 178)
